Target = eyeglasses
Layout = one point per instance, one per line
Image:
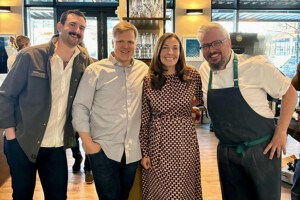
(214, 44)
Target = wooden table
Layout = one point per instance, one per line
(294, 129)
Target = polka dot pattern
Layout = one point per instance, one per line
(169, 138)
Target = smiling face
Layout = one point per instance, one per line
(72, 31)
(169, 54)
(217, 56)
(124, 44)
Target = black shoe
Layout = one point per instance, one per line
(211, 128)
(76, 166)
(89, 178)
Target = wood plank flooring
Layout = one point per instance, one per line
(78, 189)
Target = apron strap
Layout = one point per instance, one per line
(242, 147)
(235, 74)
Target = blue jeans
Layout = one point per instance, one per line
(113, 180)
(51, 165)
(295, 192)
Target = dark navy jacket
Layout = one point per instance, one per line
(25, 96)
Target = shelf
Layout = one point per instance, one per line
(146, 18)
(146, 23)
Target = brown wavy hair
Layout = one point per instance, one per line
(157, 69)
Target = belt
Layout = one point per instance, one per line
(169, 117)
(241, 147)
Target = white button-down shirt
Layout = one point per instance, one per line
(108, 106)
(60, 84)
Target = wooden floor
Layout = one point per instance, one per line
(78, 189)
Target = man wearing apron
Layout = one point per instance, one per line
(295, 190)
(235, 92)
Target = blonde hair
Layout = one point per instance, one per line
(123, 26)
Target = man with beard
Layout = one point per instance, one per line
(295, 190)
(36, 99)
(235, 89)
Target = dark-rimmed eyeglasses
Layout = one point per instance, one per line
(214, 44)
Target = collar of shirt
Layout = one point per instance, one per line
(70, 63)
(112, 59)
(230, 63)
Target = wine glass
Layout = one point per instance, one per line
(139, 47)
(148, 45)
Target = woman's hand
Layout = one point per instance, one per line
(146, 162)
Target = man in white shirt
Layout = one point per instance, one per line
(235, 90)
(295, 190)
(107, 115)
(36, 99)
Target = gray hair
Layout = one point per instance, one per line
(208, 27)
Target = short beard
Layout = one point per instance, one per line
(217, 66)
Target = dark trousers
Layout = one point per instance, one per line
(113, 180)
(51, 165)
(77, 154)
(295, 192)
(248, 177)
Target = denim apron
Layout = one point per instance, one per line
(245, 172)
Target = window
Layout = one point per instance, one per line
(278, 31)
(40, 24)
(170, 23)
(42, 15)
(111, 22)
(91, 33)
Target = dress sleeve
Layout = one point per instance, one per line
(198, 89)
(146, 117)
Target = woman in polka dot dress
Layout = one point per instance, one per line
(171, 157)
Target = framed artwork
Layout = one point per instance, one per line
(5, 51)
(191, 48)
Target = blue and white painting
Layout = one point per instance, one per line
(192, 48)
